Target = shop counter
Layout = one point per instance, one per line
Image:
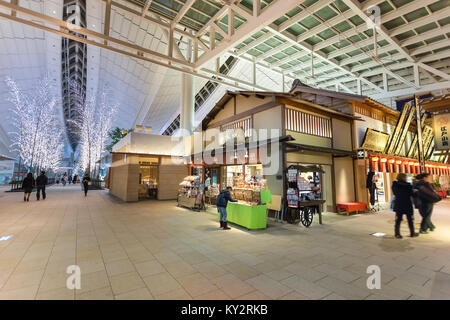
(250, 217)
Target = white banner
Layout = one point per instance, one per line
(441, 124)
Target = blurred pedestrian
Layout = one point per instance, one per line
(27, 186)
(41, 182)
(425, 198)
(86, 182)
(403, 193)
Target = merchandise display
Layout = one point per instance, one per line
(211, 194)
(191, 193)
(304, 193)
(251, 210)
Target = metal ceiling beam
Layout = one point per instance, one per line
(437, 15)
(361, 28)
(322, 57)
(270, 52)
(302, 15)
(188, 4)
(107, 20)
(146, 7)
(217, 16)
(355, 6)
(149, 19)
(136, 51)
(63, 25)
(253, 25)
(411, 91)
(254, 43)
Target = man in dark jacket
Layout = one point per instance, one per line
(222, 202)
(403, 193)
(41, 182)
(425, 199)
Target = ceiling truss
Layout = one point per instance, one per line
(265, 33)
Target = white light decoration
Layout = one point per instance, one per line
(93, 124)
(37, 136)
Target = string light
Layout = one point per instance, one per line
(37, 136)
(93, 124)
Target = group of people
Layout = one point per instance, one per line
(29, 183)
(65, 178)
(421, 193)
(41, 181)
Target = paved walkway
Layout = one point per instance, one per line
(155, 250)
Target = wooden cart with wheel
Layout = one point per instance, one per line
(305, 212)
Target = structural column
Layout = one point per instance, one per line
(187, 103)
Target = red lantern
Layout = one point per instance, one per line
(399, 166)
(375, 166)
(383, 162)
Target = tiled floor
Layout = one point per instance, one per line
(155, 250)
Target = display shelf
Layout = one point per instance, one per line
(190, 195)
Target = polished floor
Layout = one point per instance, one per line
(155, 250)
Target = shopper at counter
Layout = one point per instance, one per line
(403, 193)
(222, 202)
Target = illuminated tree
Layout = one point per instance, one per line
(37, 136)
(93, 123)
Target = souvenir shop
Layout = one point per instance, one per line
(249, 187)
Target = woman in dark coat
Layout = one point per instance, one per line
(403, 193)
(425, 199)
(27, 186)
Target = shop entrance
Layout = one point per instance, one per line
(148, 178)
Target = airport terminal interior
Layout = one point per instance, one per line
(224, 150)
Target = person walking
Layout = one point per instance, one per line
(70, 179)
(27, 186)
(222, 202)
(403, 193)
(86, 182)
(75, 178)
(41, 182)
(64, 179)
(425, 198)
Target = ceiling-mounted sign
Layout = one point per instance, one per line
(441, 124)
(375, 140)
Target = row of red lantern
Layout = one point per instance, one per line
(395, 165)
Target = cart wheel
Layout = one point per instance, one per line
(306, 216)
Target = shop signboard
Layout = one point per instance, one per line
(6, 171)
(404, 131)
(441, 123)
(399, 128)
(414, 145)
(375, 140)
